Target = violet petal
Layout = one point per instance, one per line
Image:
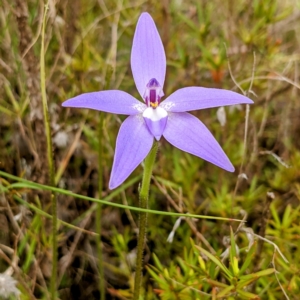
(113, 101)
(148, 58)
(193, 98)
(156, 120)
(189, 134)
(134, 142)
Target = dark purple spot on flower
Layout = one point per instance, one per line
(153, 83)
(152, 92)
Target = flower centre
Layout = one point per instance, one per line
(156, 120)
(152, 93)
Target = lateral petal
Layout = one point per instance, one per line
(134, 142)
(193, 98)
(113, 101)
(148, 58)
(189, 134)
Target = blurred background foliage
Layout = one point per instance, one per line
(249, 46)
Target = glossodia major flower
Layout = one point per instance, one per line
(152, 118)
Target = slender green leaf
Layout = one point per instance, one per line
(249, 258)
(225, 291)
(256, 275)
(247, 295)
(216, 260)
(32, 185)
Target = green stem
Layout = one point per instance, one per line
(108, 73)
(50, 160)
(23, 183)
(144, 194)
(99, 211)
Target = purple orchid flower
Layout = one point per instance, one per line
(154, 119)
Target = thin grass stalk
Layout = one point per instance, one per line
(23, 183)
(99, 210)
(108, 74)
(144, 195)
(50, 159)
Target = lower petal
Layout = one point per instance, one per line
(156, 120)
(134, 142)
(189, 134)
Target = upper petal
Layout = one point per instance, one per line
(192, 98)
(114, 101)
(189, 134)
(134, 142)
(148, 58)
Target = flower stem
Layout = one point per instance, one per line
(53, 288)
(99, 210)
(144, 194)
